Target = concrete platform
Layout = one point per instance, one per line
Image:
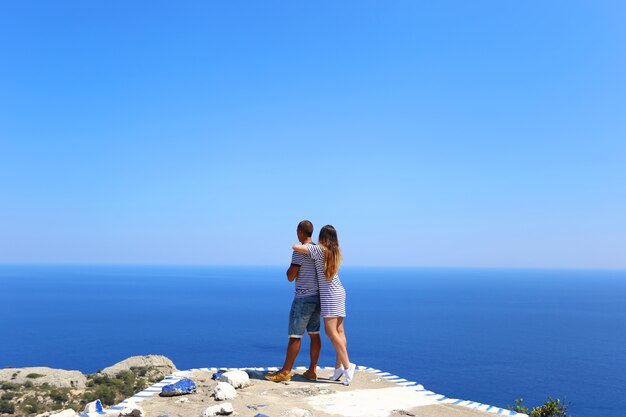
(373, 393)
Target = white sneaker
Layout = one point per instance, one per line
(349, 374)
(337, 373)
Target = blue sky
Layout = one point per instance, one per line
(461, 134)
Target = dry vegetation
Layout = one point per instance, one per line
(30, 399)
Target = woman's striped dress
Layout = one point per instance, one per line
(332, 293)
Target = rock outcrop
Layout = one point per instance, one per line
(40, 375)
(156, 366)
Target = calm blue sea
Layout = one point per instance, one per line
(486, 335)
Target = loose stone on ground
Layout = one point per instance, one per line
(238, 379)
(64, 413)
(224, 391)
(219, 410)
(184, 386)
(132, 410)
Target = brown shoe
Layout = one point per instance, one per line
(279, 377)
(310, 375)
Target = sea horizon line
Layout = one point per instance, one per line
(348, 266)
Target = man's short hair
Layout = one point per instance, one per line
(306, 227)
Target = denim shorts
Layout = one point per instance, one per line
(304, 314)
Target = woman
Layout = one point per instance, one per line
(327, 256)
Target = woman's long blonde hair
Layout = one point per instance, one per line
(332, 254)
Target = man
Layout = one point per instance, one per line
(305, 309)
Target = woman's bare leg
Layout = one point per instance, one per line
(331, 325)
(342, 334)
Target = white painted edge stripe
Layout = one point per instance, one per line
(420, 390)
(406, 384)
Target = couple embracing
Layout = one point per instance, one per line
(318, 291)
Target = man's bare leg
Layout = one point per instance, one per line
(316, 348)
(293, 348)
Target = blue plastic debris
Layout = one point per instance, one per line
(184, 386)
(261, 415)
(217, 375)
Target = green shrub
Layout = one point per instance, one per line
(125, 375)
(519, 407)
(9, 386)
(31, 406)
(76, 406)
(100, 379)
(34, 375)
(89, 396)
(108, 389)
(551, 408)
(106, 395)
(139, 370)
(7, 396)
(140, 385)
(124, 383)
(6, 407)
(58, 396)
(28, 384)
